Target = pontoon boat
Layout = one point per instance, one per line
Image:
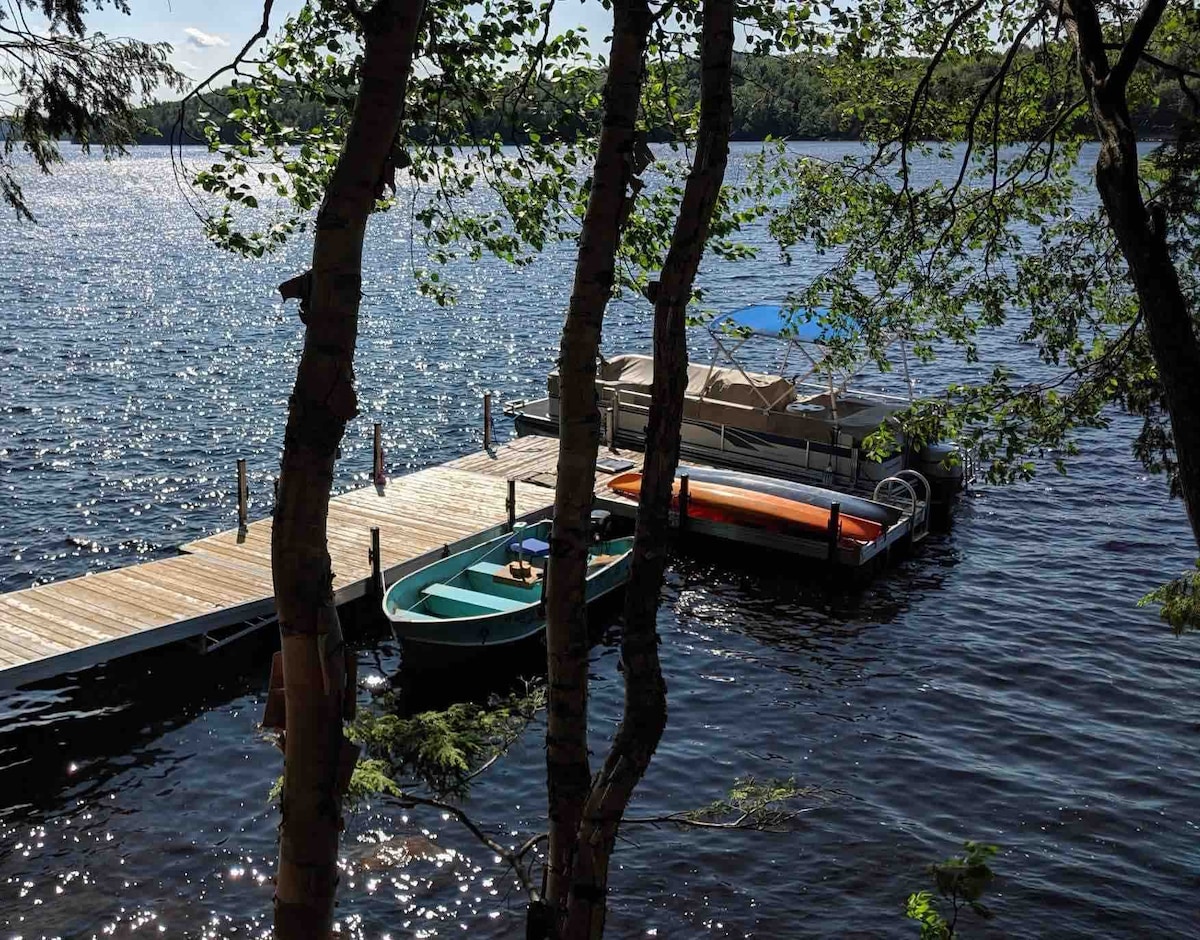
(793, 428)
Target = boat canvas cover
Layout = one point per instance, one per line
(636, 373)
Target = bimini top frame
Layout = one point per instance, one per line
(805, 330)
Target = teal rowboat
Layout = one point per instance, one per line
(491, 595)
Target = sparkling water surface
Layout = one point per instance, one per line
(999, 684)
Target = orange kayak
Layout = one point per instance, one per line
(722, 503)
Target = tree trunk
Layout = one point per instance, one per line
(567, 772)
(645, 714)
(322, 401)
(1141, 236)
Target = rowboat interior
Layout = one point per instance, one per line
(497, 578)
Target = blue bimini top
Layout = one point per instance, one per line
(775, 320)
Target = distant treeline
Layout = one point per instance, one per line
(777, 97)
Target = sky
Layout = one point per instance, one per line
(206, 34)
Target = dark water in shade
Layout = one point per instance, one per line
(997, 685)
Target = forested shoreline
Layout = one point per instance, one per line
(773, 97)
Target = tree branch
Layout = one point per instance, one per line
(233, 63)
(1135, 45)
(922, 88)
(512, 859)
(996, 82)
(179, 129)
(1169, 66)
(745, 821)
(1187, 90)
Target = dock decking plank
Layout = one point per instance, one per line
(195, 590)
(143, 604)
(18, 643)
(215, 571)
(64, 612)
(96, 611)
(225, 577)
(17, 639)
(21, 618)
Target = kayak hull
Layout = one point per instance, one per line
(728, 502)
(886, 516)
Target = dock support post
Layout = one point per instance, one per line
(614, 420)
(243, 494)
(377, 474)
(511, 503)
(835, 528)
(487, 420)
(683, 500)
(376, 565)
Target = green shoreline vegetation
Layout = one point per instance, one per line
(776, 97)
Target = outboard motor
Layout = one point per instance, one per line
(601, 523)
(941, 462)
(942, 465)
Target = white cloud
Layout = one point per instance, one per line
(203, 40)
(187, 66)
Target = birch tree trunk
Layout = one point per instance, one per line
(645, 715)
(322, 401)
(567, 772)
(1142, 235)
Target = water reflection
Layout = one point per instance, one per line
(65, 739)
(1000, 684)
(798, 605)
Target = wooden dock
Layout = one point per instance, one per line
(221, 583)
(220, 587)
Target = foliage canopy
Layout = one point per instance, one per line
(64, 83)
(1003, 242)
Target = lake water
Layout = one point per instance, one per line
(998, 685)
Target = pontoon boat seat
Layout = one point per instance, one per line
(724, 398)
(635, 373)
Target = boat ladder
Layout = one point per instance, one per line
(970, 464)
(893, 490)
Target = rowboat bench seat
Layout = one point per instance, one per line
(414, 615)
(488, 568)
(452, 601)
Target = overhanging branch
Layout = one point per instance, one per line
(178, 131)
(922, 88)
(1172, 67)
(233, 63)
(1135, 45)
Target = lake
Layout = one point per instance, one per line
(997, 685)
